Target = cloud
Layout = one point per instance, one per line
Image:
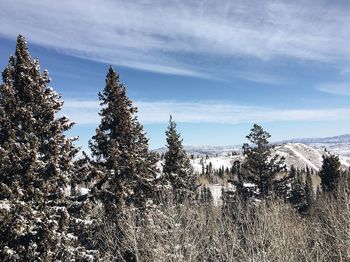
(86, 112)
(342, 89)
(177, 37)
(259, 78)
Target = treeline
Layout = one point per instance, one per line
(116, 205)
(43, 214)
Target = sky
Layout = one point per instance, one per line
(217, 66)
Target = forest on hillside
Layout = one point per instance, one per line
(126, 203)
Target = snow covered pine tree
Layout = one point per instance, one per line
(177, 167)
(35, 164)
(260, 166)
(126, 173)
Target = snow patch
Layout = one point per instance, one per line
(5, 205)
(302, 157)
(216, 191)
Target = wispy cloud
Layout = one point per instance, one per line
(259, 77)
(165, 36)
(86, 112)
(342, 89)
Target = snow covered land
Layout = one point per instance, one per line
(298, 152)
(339, 145)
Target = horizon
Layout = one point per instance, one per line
(217, 70)
(290, 140)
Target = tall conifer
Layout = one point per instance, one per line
(125, 168)
(36, 160)
(309, 191)
(177, 167)
(261, 166)
(330, 173)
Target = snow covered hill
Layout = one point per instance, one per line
(203, 150)
(339, 145)
(297, 154)
(301, 155)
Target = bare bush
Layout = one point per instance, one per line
(331, 226)
(265, 231)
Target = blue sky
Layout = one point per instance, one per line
(216, 66)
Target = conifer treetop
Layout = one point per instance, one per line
(330, 172)
(125, 167)
(260, 165)
(36, 162)
(177, 167)
(28, 108)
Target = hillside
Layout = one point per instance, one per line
(297, 154)
(339, 145)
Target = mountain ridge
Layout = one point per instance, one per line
(339, 144)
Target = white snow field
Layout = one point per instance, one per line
(309, 153)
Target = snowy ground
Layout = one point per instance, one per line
(301, 155)
(297, 154)
(216, 191)
(217, 162)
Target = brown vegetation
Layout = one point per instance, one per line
(270, 230)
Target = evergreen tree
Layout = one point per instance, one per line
(302, 194)
(124, 169)
(330, 173)
(210, 168)
(260, 165)
(203, 167)
(293, 172)
(309, 191)
(235, 170)
(36, 160)
(177, 167)
(206, 195)
(81, 205)
(318, 192)
(297, 195)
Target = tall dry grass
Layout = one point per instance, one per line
(265, 231)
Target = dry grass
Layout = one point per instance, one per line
(267, 231)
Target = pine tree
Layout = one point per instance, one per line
(177, 167)
(330, 173)
(297, 194)
(125, 171)
(260, 165)
(318, 192)
(125, 168)
(81, 205)
(205, 196)
(36, 160)
(203, 167)
(309, 192)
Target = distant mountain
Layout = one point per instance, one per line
(337, 144)
(206, 150)
(323, 140)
